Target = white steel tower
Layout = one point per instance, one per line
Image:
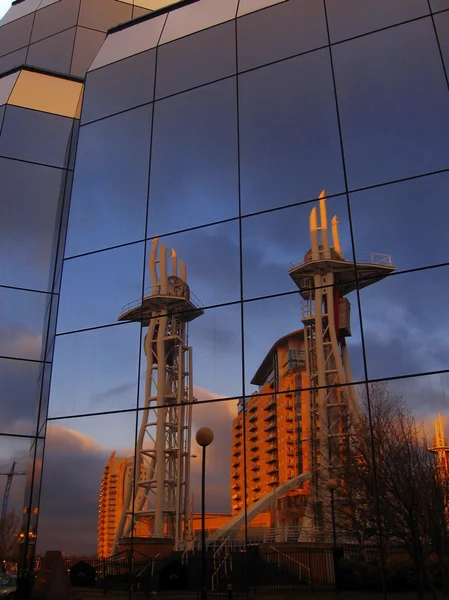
(158, 495)
(324, 277)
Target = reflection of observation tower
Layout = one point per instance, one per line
(324, 277)
(158, 495)
(440, 448)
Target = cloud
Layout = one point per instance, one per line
(120, 391)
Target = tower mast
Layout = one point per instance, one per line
(157, 495)
(324, 278)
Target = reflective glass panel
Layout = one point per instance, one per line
(6, 86)
(19, 396)
(87, 44)
(130, 41)
(194, 159)
(35, 136)
(212, 258)
(247, 6)
(105, 375)
(103, 14)
(12, 60)
(275, 350)
(14, 449)
(284, 30)
(96, 287)
(273, 242)
(288, 133)
(214, 339)
(111, 182)
(15, 35)
(120, 86)
(348, 18)
(196, 59)
(30, 197)
(53, 53)
(439, 4)
(384, 137)
(22, 315)
(405, 221)
(77, 454)
(56, 17)
(403, 336)
(19, 10)
(194, 17)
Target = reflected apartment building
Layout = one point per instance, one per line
(273, 422)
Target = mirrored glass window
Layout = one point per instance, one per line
(36, 136)
(109, 198)
(30, 198)
(22, 316)
(20, 395)
(274, 242)
(12, 60)
(87, 44)
(15, 34)
(130, 41)
(120, 86)
(53, 53)
(405, 221)
(77, 455)
(284, 30)
(54, 18)
(247, 6)
(195, 17)
(206, 56)
(194, 159)
(115, 276)
(348, 18)
(14, 449)
(103, 14)
(439, 4)
(106, 373)
(288, 133)
(384, 137)
(401, 335)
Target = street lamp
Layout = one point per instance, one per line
(332, 485)
(204, 438)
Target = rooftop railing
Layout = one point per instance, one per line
(364, 258)
(159, 290)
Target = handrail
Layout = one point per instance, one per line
(366, 258)
(216, 560)
(159, 290)
(291, 559)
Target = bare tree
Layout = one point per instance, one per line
(390, 483)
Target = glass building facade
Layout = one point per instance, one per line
(212, 126)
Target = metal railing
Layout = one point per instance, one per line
(159, 290)
(364, 258)
(221, 563)
(292, 564)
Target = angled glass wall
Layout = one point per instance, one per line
(255, 244)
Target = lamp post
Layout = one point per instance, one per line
(204, 438)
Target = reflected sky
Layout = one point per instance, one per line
(394, 118)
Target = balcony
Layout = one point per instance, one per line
(236, 452)
(235, 463)
(236, 496)
(271, 449)
(253, 438)
(270, 416)
(256, 477)
(290, 429)
(271, 425)
(253, 428)
(238, 425)
(254, 447)
(271, 436)
(272, 469)
(237, 434)
(270, 403)
(256, 487)
(253, 407)
(255, 466)
(237, 443)
(272, 459)
(235, 475)
(289, 419)
(290, 440)
(273, 481)
(235, 485)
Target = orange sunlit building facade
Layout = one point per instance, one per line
(276, 447)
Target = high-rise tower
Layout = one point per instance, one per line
(162, 461)
(324, 278)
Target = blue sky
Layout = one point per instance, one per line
(4, 6)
